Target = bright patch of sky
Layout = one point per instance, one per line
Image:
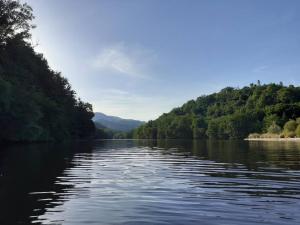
(140, 58)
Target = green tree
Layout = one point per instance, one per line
(199, 128)
(269, 120)
(274, 129)
(15, 20)
(213, 129)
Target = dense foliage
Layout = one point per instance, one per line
(36, 103)
(103, 132)
(230, 113)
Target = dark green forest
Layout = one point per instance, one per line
(36, 103)
(103, 132)
(232, 113)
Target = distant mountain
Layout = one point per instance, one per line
(115, 123)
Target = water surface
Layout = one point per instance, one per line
(149, 182)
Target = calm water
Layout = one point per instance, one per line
(144, 182)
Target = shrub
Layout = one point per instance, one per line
(290, 125)
(254, 135)
(274, 128)
(290, 134)
(298, 131)
(298, 120)
(290, 128)
(268, 135)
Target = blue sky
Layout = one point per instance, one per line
(140, 58)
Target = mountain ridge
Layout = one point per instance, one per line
(116, 123)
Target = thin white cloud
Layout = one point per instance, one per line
(120, 59)
(260, 69)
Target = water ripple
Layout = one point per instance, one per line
(143, 185)
(128, 183)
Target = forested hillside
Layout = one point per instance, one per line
(230, 113)
(103, 132)
(36, 103)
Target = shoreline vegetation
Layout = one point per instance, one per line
(273, 139)
(290, 132)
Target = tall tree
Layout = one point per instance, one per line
(15, 20)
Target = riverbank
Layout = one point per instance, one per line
(272, 139)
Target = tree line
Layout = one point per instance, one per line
(103, 132)
(36, 103)
(232, 113)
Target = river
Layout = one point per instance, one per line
(130, 182)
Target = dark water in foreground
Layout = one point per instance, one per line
(143, 182)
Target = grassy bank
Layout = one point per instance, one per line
(273, 139)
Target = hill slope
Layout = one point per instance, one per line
(230, 113)
(36, 103)
(115, 123)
